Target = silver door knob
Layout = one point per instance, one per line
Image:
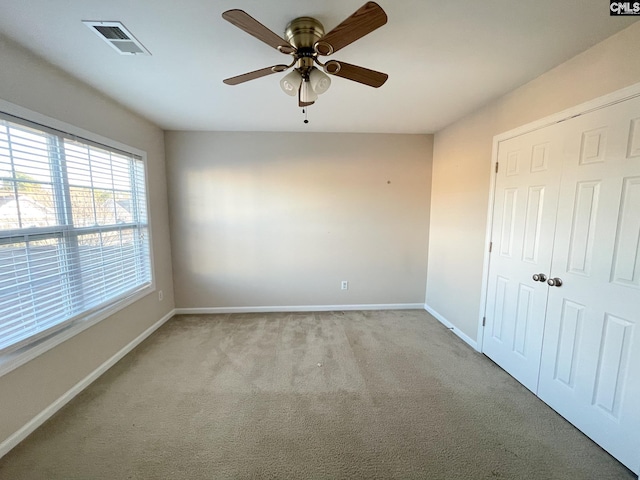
(539, 277)
(554, 282)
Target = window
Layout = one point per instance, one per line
(73, 230)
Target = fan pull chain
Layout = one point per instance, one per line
(306, 120)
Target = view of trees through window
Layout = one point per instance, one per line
(99, 181)
(73, 228)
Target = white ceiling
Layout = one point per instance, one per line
(445, 58)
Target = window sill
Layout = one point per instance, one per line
(12, 360)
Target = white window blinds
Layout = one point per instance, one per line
(73, 230)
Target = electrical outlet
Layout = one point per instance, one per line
(344, 285)
(160, 295)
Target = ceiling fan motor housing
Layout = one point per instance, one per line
(303, 33)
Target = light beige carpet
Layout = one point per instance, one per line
(390, 394)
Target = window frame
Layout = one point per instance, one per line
(40, 344)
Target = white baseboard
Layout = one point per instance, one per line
(48, 412)
(463, 336)
(299, 308)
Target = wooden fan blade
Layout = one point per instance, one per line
(355, 73)
(246, 22)
(364, 21)
(263, 72)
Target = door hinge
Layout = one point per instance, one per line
(484, 321)
(490, 246)
(497, 167)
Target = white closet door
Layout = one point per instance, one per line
(590, 370)
(525, 206)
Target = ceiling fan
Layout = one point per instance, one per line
(305, 42)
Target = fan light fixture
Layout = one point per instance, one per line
(307, 95)
(290, 83)
(309, 88)
(319, 81)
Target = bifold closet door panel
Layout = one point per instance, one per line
(590, 366)
(526, 195)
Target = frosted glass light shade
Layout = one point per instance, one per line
(320, 82)
(291, 82)
(307, 95)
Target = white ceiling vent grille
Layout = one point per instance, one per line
(118, 37)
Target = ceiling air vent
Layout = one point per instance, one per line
(118, 37)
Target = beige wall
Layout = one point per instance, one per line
(279, 219)
(461, 167)
(28, 82)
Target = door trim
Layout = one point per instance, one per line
(607, 100)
